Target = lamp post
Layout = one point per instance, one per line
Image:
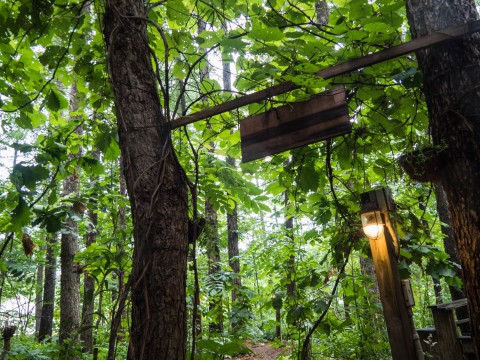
(403, 338)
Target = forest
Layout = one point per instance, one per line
(138, 221)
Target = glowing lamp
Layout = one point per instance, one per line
(372, 224)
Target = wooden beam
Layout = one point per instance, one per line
(346, 67)
(400, 333)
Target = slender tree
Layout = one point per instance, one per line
(213, 254)
(70, 276)
(39, 296)
(232, 218)
(156, 188)
(451, 74)
(46, 319)
(89, 283)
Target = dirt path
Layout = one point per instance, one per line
(262, 351)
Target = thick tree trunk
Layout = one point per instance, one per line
(48, 302)
(449, 246)
(70, 276)
(156, 188)
(451, 78)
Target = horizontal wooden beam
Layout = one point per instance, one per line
(346, 67)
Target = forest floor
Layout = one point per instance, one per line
(262, 351)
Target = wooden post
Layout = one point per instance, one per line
(385, 249)
(391, 294)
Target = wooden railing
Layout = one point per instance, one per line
(444, 341)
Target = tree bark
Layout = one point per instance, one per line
(89, 290)
(213, 254)
(46, 321)
(233, 252)
(70, 276)
(156, 188)
(232, 219)
(122, 222)
(451, 76)
(39, 297)
(291, 284)
(449, 246)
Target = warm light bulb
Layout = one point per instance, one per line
(372, 224)
(373, 231)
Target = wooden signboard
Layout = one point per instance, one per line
(297, 124)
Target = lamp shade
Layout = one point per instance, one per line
(372, 224)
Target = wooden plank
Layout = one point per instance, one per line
(439, 37)
(294, 125)
(448, 345)
(450, 305)
(400, 332)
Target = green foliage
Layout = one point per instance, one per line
(47, 47)
(23, 348)
(212, 349)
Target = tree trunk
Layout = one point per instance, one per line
(232, 219)
(213, 254)
(451, 76)
(46, 322)
(89, 290)
(156, 188)
(233, 252)
(278, 326)
(291, 284)
(99, 320)
(7, 334)
(39, 297)
(449, 246)
(70, 276)
(122, 222)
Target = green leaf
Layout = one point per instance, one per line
(180, 70)
(208, 345)
(3, 267)
(20, 216)
(308, 180)
(28, 176)
(177, 13)
(264, 33)
(91, 165)
(55, 101)
(52, 55)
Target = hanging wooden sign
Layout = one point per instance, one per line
(297, 124)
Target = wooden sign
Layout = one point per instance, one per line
(297, 124)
